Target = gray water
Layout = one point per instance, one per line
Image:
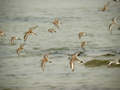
(24, 72)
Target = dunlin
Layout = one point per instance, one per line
(114, 22)
(73, 59)
(51, 30)
(21, 47)
(83, 44)
(105, 6)
(13, 38)
(81, 34)
(29, 32)
(56, 22)
(44, 60)
(2, 33)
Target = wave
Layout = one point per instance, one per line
(97, 63)
(35, 19)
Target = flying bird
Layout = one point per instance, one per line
(105, 6)
(21, 47)
(114, 22)
(81, 34)
(83, 44)
(73, 59)
(2, 33)
(56, 22)
(51, 30)
(44, 60)
(29, 32)
(13, 38)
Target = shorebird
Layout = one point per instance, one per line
(44, 60)
(81, 34)
(105, 6)
(29, 32)
(21, 47)
(2, 33)
(51, 30)
(117, 61)
(73, 59)
(114, 22)
(83, 44)
(13, 38)
(56, 22)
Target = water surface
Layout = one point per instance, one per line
(24, 72)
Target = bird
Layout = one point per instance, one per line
(110, 28)
(51, 30)
(56, 22)
(114, 22)
(13, 38)
(81, 34)
(105, 6)
(21, 47)
(73, 59)
(117, 61)
(2, 33)
(83, 43)
(44, 60)
(29, 32)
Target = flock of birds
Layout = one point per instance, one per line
(74, 57)
(114, 20)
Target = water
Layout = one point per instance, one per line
(24, 72)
